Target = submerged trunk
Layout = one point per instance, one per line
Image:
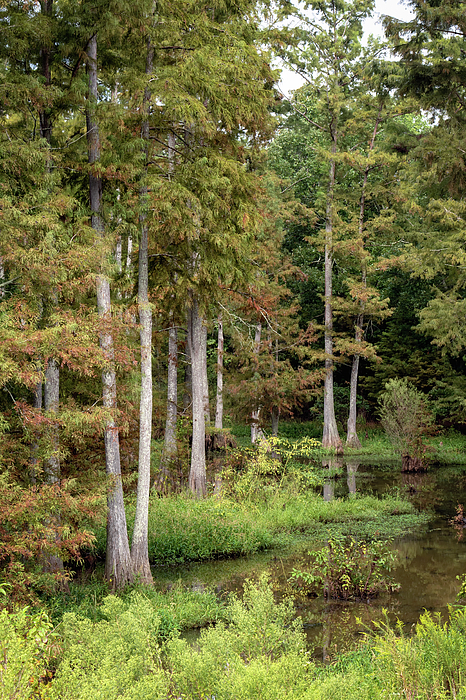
(330, 437)
(139, 544)
(197, 474)
(219, 407)
(118, 566)
(351, 469)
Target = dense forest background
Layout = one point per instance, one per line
(175, 233)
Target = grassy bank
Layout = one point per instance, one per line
(183, 529)
(445, 447)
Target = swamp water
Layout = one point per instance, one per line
(429, 560)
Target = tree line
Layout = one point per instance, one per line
(165, 211)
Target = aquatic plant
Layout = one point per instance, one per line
(346, 568)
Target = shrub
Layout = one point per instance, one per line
(406, 419)
(348, 569)
(117, 657)
(259, 654)
(25, 651)
(430, 664)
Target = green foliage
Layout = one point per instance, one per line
(274, 464)
(116, 657)
(348, 569)
(405, 417)
(185, 529)
(429, 664)
(27, 643)
(294, 430)
(259, 654)
(178, 608)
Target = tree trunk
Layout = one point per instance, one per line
(275, 419)
(205, 381)
(52, 562)
(51, 402)
(139, 544)
(170, 448)
(330, 437)
(352, 439)
(188, 370)
(197, 474)
(118, 566)
(219, 407)
(255, 429)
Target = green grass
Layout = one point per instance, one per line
(183, 529)
(448, 447)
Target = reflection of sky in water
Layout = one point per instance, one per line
(427, 569)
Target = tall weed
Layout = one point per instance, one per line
(430, 665)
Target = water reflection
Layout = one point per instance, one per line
(351, 469)
(428, 566)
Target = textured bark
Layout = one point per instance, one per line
(170, 448)
(219, 405)
(330, 437)
(52, 563)
(205, 382)
(118, 566)
(188, 370)
(275, 419)
(255, 428)
(51, 402)
(352, 439)
(197, 474)
(140, 543)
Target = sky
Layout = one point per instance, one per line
(290, 81)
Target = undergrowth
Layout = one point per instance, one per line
(258, 652)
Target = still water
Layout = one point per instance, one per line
(429, 561)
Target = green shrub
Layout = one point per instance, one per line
(429, 665)
(348, 569)
(274, 465)
(117, 657)
(26, 644)
(259, 654)
(405, 417)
